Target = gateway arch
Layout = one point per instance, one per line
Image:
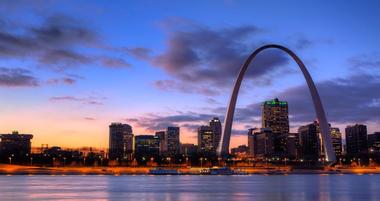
(224, 143)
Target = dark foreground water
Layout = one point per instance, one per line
(258, 187)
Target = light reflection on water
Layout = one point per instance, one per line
(149, 188)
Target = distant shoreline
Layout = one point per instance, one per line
(35, 170)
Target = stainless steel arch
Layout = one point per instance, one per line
(224, 143)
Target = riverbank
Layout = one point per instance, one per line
(34, 170)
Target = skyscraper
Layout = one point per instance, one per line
(336, 138)
(309, 141)
(275, 116)
(374, 142)
(120, 141)
(189, 149)
(173, 143)
(128, 145)
(356, 139)
(251, 142)
(264, 143)
(216, 127)
(163, 141)
(205, 139)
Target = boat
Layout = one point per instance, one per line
(160, 171)
(221, 171)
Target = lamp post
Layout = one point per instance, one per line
(10, 160)
(64, 161)
(151, 161)
(31, 161)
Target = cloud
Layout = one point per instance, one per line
(139, 52)
(65, 80)
(58, 43)
(207, 55)
(300, 41)
(190, 121)
(350, 99)
(170, 85)
(203, 59)
(369, 63)
(86, 100)
(89, 118)
(154, 122)
(62, 30)
(353, 99)
(115, 62)
(68, 80)
(17, 77)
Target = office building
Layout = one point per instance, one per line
(251, 142)
(374, 142)
(275, 116)
(292, 146)
(121, 141)
(189, 149)
(15, 145)
(240, 150)
(173, 142)
(336, 139)
(309, 141)
(261, 144)
(216, 127)
(356, 139)
(163, 141)
(205, 139)
(147, 145)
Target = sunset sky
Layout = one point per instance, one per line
(70, 68)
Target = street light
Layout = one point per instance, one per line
(10, 160)
(101, 161)
(31, 161)
(64, 161)
(151, 161)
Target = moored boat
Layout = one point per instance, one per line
(221, 171)
(160, 171)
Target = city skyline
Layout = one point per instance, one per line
(65, 77)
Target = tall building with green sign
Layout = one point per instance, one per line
(275, 116)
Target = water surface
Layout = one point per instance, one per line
(256, 187)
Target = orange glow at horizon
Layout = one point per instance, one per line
(91, 135)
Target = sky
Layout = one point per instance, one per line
(70, 68)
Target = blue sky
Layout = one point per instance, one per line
(69, 68)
